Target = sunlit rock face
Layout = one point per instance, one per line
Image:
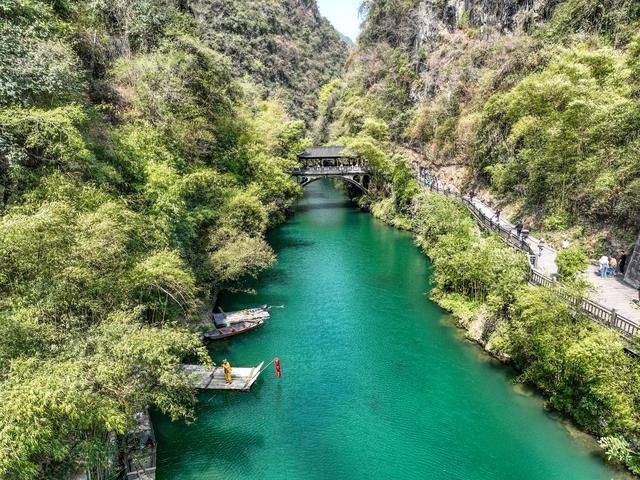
(632, 272)
(436, 29)
(437, 17)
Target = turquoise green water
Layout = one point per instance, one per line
(376, 382)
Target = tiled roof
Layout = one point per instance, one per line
(324, 152)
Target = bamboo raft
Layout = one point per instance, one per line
(213, 378)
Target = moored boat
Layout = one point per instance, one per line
(233, 323)
(231, 330)
(224, 319)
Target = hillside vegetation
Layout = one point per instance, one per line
(139, 171)
(285, 47)
(580, 366)
(535, 101)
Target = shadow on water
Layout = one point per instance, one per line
(311, 194)
(586, 442)
(280, 243)
(275, 276)
(239, 442)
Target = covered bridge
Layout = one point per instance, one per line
(332, 162)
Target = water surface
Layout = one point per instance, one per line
(376, 382)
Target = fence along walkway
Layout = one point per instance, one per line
(599, 313)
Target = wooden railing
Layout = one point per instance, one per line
(599, 313)
(487, 223)
(332, 170)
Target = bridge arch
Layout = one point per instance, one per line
(360, 185)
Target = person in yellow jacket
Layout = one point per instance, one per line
(227, 370)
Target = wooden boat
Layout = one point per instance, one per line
(233, 323)
(140, 455)
(223, 319)
(231, 330)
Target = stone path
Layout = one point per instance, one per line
(614, 293)
(609, 292)
(545, 261)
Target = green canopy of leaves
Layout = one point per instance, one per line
(137, 177)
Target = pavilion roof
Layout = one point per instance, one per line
(325, 152)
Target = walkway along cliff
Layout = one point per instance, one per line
(337, 162)
(629, 327)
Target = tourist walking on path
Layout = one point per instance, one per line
(227, 370)
(604, 264)
(541, 245)
(519, 228)
(624, 298)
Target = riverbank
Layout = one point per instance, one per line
(616, 298)
(579, 367)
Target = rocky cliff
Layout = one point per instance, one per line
(533, 102)
(632, 271)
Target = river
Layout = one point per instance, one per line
(377, 383)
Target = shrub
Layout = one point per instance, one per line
(571, 262)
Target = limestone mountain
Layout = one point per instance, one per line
(286, 47)
(535, 101)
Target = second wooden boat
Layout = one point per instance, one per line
(231, 330)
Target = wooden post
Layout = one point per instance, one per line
(614, 317)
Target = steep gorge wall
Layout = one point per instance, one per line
(632, 272)
(532, 100)
(438, 23)
(436, 18)
(412, 52)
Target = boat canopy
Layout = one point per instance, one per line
(251, 314)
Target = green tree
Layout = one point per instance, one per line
(235, 255)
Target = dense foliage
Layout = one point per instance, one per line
(138, 176)
(571, 129)
(572, 262)
(535, 100)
